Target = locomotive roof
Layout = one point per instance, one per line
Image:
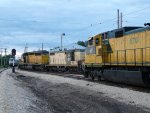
(37, 52)
(112, 33)
(138, 30)
(125, 30)
(68, 51)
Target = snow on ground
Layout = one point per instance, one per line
(121, 94)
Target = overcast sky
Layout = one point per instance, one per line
(42, 21)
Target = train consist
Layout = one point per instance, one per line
(67, 60)
(121, 55)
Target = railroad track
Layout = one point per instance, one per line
(81, 77)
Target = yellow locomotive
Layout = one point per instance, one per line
(120, 55)
(35, 60)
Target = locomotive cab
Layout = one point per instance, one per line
(93, 55)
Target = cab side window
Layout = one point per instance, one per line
(97, 41)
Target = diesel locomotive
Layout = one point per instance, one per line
(120, 55)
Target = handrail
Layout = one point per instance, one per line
(108, 55)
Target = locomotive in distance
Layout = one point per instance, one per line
(121, 55)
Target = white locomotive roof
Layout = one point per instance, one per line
(68, 51)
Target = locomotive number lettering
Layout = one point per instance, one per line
(134, 40)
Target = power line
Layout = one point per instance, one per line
(137, 11)
(105, 22)
(112, 20)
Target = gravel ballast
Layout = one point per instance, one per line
(123, 95)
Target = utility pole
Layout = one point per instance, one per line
(63, 34)
(118, 19)
(121, 20)
(1, 55)
(26, 48)
(42, 47)
(5, 57)
(42, 53)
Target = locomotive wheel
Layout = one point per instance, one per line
(86, 74)
(47, 70)
(99, 78)
(92, 76)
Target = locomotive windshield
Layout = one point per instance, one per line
(90, 42)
